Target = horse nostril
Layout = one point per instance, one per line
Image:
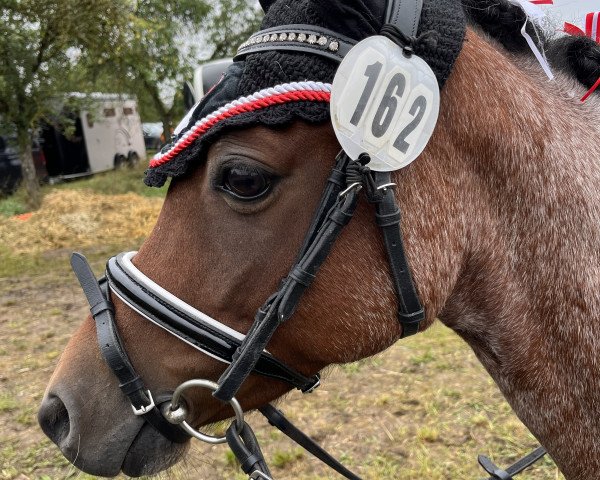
(53, 417)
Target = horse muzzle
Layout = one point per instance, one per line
(98, 447)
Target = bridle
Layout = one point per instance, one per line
(246, 354)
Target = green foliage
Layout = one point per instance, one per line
(229, 25)
(163, 41)
(40, 41)
(144, 47)
(12, 206)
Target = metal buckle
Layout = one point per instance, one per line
(256, 475)
(385, 186)
(144, 408)
(314, 386)
(346, 191)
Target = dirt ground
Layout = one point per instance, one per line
(422, 410)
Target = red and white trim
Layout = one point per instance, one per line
(280, 94)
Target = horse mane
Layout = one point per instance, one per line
(502, 21)
(577, 57)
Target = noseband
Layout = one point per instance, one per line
(247, 353)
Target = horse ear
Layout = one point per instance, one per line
(266, 4)
(354, 18)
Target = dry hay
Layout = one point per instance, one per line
(80, 218)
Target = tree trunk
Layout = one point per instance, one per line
(166, 122)
(30, 180)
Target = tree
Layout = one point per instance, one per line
(165, 39)
(39, 43)
(145, 47)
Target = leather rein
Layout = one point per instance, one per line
(246, 354)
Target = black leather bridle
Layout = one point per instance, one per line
(246, 354)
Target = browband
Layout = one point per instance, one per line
(404, 15)
(190, 325)
(298, 38)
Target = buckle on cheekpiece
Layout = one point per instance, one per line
(256, 475)
(144, 408)
(314, 385)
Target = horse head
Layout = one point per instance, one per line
(242, 200)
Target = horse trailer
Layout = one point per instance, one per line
(107, 135)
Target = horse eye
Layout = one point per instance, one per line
(245, 183)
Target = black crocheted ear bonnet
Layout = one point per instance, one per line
(274, 88)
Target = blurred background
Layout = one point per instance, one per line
(89, 90)
(89, 86)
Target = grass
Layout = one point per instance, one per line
(423, 409)
(13, 205)
(12, 265)
(126, 180)
(281, 459)
(7, 403)
(15, 265)
(108, 183)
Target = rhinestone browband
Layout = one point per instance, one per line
(302, 38)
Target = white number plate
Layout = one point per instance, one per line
(384, 103)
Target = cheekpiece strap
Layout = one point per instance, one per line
(405, 15)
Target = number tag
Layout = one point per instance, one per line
(384, 103)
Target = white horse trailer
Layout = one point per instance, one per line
(108, 135)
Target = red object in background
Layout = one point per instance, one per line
(23, 216)
(542, 2)
(592, 30)
(591, 90)
(592, 27)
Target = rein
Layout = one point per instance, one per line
(246, 354)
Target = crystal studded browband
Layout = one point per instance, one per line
(299, 38)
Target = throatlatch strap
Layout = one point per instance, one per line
(115, 356)
(410, 311)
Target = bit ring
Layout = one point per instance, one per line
(175, 404)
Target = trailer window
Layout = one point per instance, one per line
(109, 112)
(128, 110)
